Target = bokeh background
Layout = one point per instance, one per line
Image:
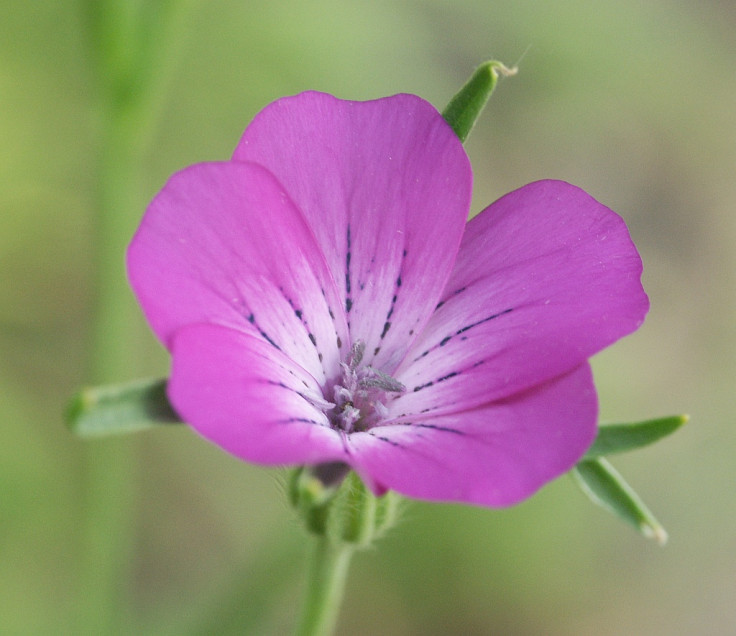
(162, 533)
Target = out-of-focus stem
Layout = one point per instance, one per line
(328, 571)
(110, 464)
(129, 46)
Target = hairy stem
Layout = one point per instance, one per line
(328, 570)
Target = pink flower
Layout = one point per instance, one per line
(324, 301)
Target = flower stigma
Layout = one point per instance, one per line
(360, 394)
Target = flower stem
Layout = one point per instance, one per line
(328, 570)
(130, 47)
(110, 492)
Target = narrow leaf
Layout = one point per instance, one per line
(605, 486)
(120, 408)
(617, 438)
(466, 106)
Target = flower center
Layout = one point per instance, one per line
(360, 394)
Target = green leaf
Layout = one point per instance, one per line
(465, 107)
(120, 408)
(617, 438)
(606, 487)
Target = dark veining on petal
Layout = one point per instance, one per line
(395, 297)
(334, 324)
(252, 321)
(452, 295)
(297, 312)
(480, 322)
(448, 376)
(280, 384)
(305, 420)
(300, 315)
(447, 339)
(384, 439)
(268, 338)
(348, 284)
(452, 374)
(386, 327)
(433, 427)
(445, 429)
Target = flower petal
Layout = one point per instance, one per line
(545, 278)
(223, 243)
(385, 185)
(239, 392)
(496, 455)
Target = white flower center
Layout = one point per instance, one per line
(360, 395)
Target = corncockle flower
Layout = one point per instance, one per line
(325, 301)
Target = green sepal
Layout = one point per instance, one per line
(345, 512)
(605, 486)
(358, 516)
(466, 106)
(120, 408)
(617, 438)
(311, 498)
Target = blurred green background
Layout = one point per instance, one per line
(162, 533)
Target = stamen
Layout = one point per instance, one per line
(359, 396)
(356, 354)
(380, 380)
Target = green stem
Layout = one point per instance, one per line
(130, 44)
(110, 464)
(328, 570)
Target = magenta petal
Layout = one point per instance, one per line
(545, 278)
(223, 243)
(385, 185)
(496, 455)
(245, 396)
